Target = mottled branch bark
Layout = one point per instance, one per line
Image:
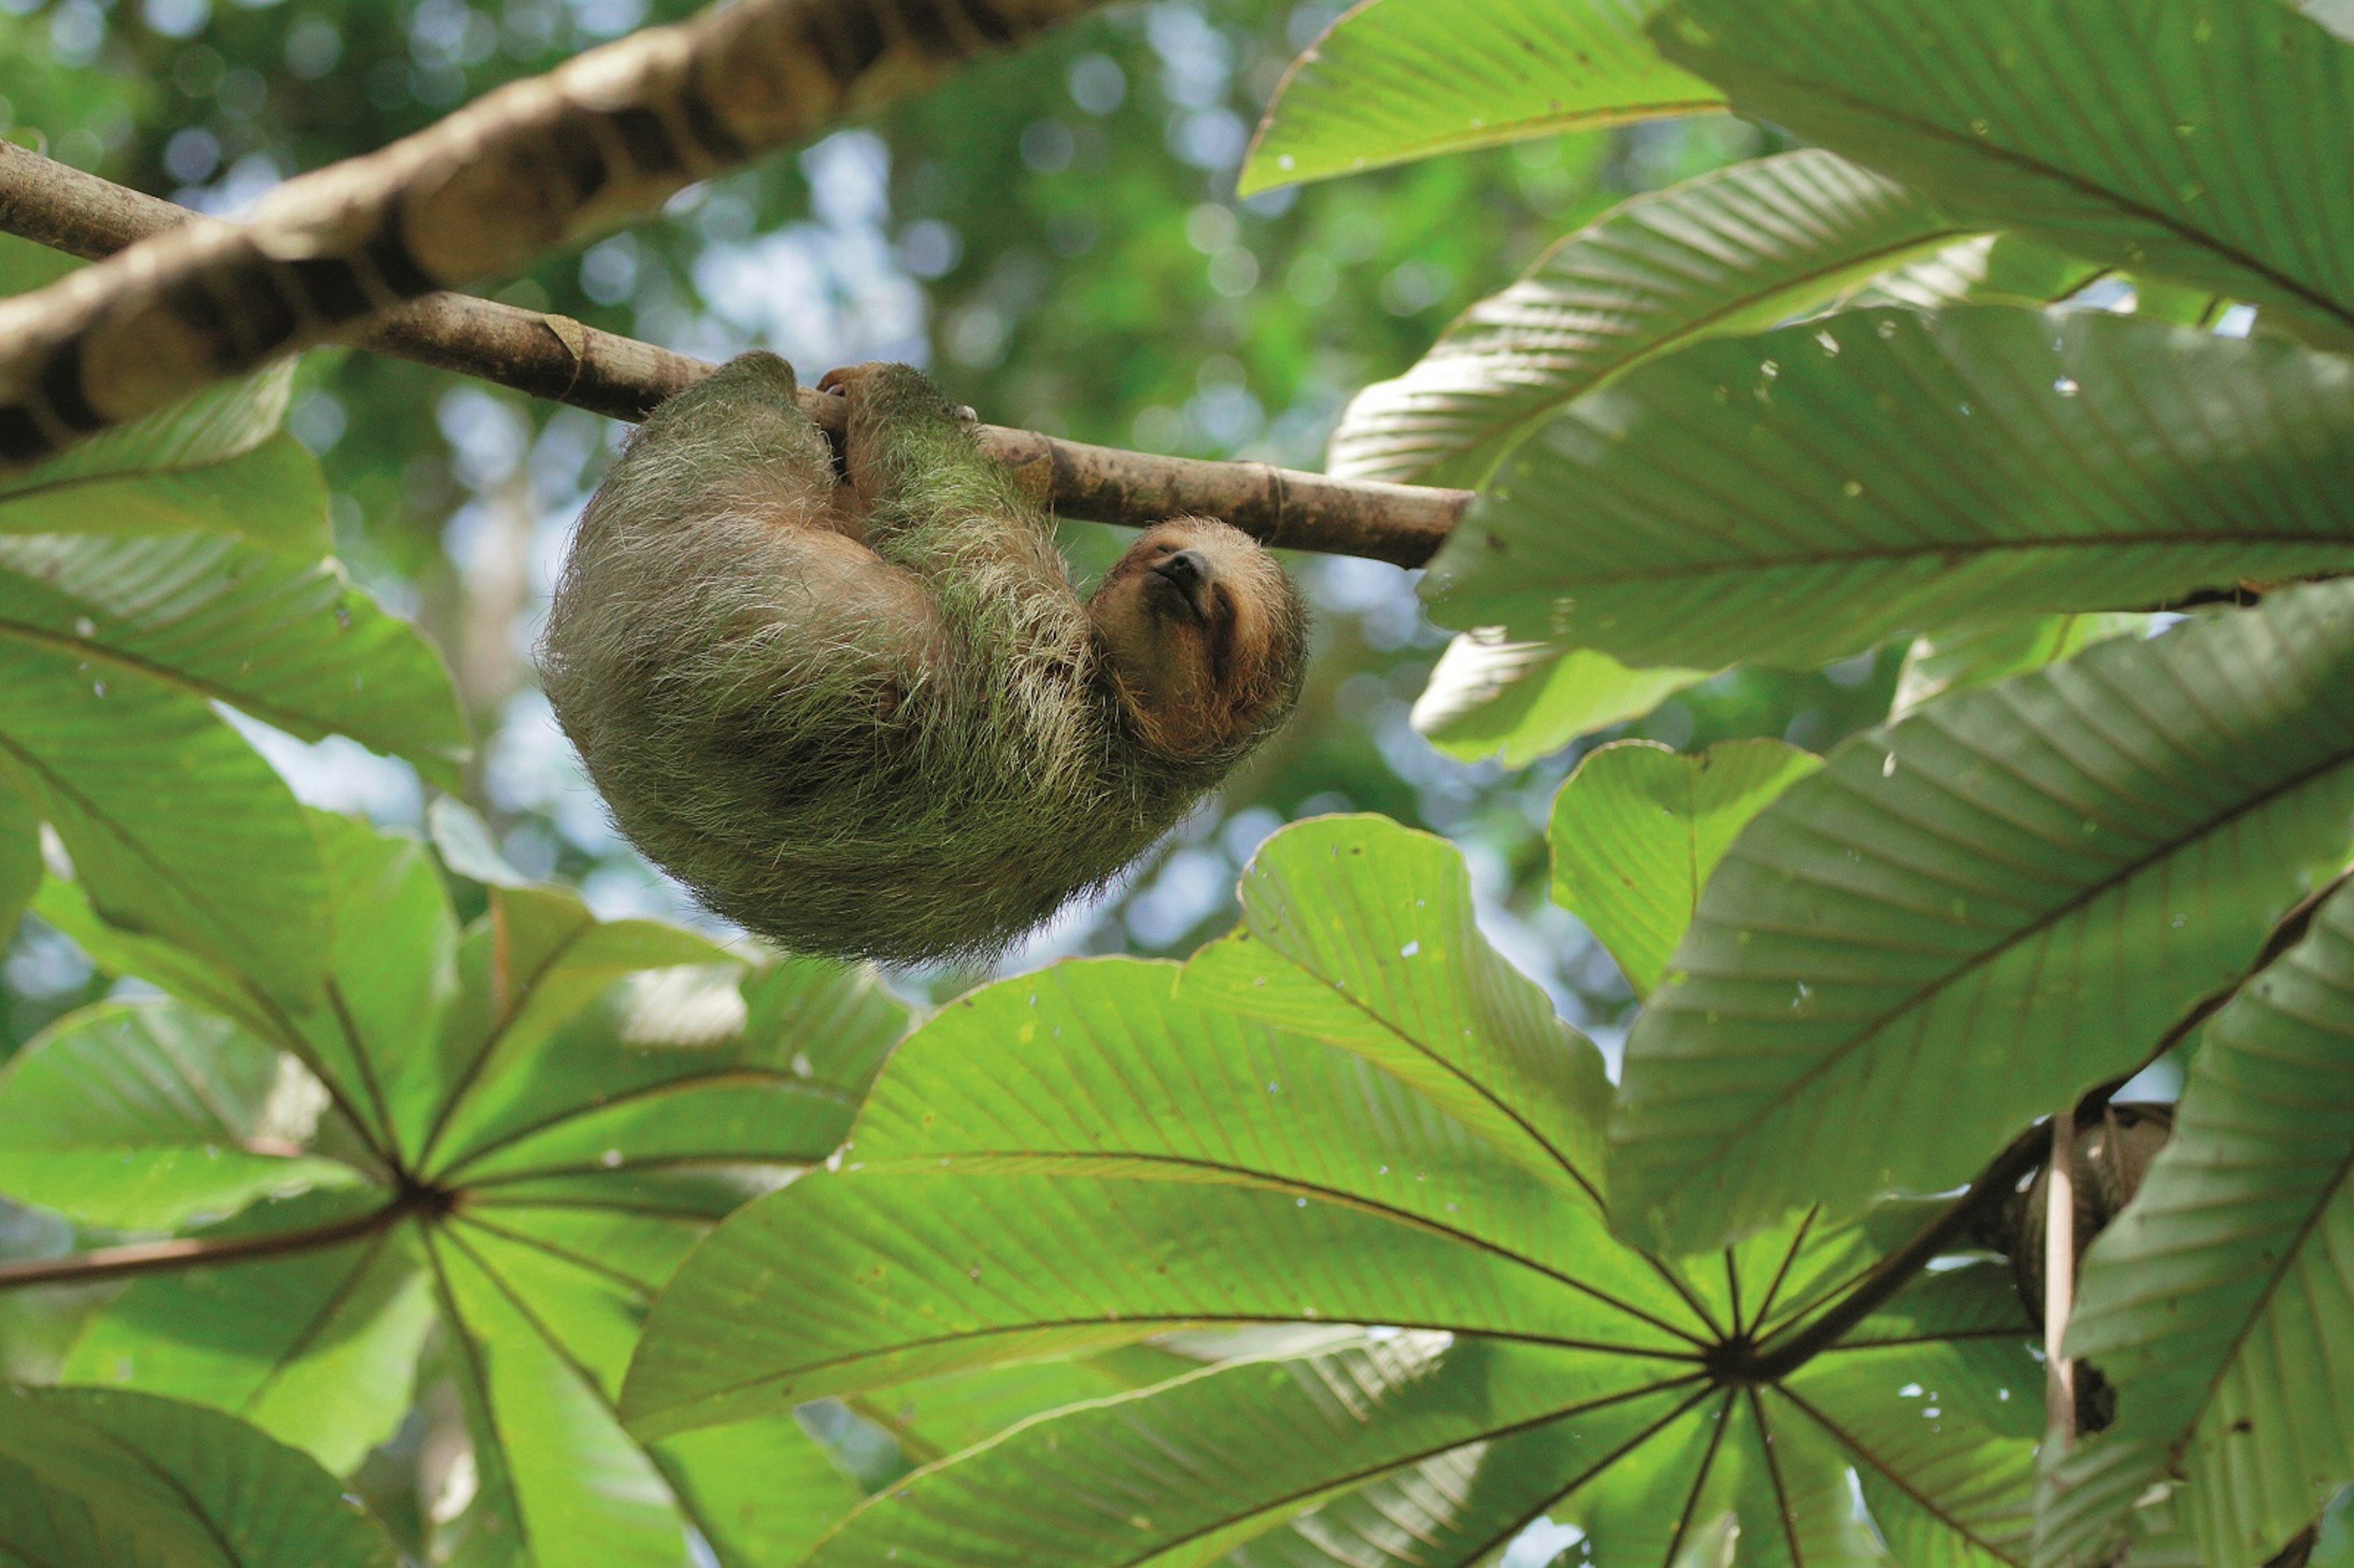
(1401, 523)
(559, 359)
(548, 357)
(534, 165)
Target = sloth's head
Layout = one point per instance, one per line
(1204, 637)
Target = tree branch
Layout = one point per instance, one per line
(114, 1263)
(552, 357)
(559, 359)
(534, 165)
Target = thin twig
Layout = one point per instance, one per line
(561, 360)
(1779, 1356)
(2059, 1281)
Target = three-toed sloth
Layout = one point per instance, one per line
(868, 717)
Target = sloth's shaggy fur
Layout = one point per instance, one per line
(870, 719)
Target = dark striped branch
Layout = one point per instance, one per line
(532, 165)
(559, 359)
(548, 357)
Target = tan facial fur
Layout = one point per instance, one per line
(1200, 628)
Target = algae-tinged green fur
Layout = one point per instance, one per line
(896, 736)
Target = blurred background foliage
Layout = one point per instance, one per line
(1054, 235)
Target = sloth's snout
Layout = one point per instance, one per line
(1188, 571)
(1186, 568)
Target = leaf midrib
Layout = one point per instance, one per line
(1145, 1326)
(1867, 1456)
(1270, 1182)
(1366, 1474)
(748, 1074)
(174, 678)
(1975, 549)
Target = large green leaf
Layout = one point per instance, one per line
(1353, 1111)
(1799, 495)
(1398, 79)
(2219, 1304)
(1961, 659)
(1935, 1404)
(90, 1478)
(933, 1418)
(547, 1129)
(1731, 251)
(389, 938)
(2195, 139)
(530, 968)
(175, 826)
(1371, 946)
(20, 856)
(1248, 1444)
(1987, 269)
(213, 986)
(294, 644)
(761, 1493)
(1969, 917)
(1526, 700)
(316, 1346)
(218, 424)
(1438, 1509)
(142, 1116)
(543, 1419)
(1198, 1198)
(274, 494)
(1637, 829)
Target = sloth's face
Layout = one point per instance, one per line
(1204, 635)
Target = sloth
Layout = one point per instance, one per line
(861, 712)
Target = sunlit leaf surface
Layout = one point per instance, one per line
(1730, 252)
(1639, 828)
(1521, 701)
(1349, 1111)
(1398, 79)
(497, 1139)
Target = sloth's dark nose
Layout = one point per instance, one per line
(1186, 568)
(1188, 571)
